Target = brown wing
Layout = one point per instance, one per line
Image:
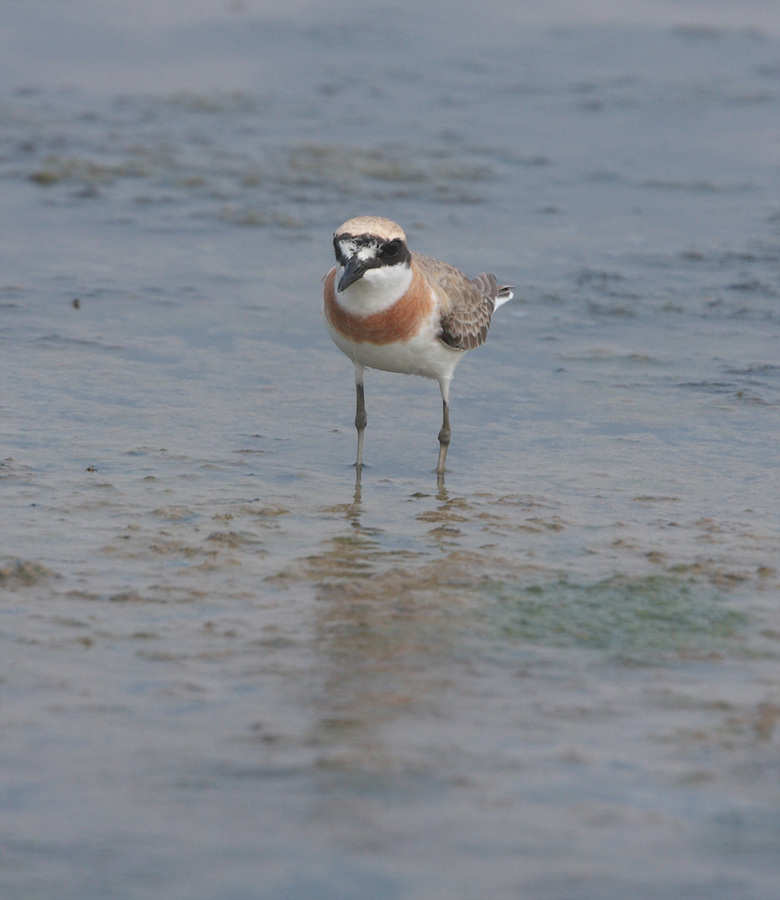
(467, 305)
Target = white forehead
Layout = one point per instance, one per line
(350, 248)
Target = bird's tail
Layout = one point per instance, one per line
(504, 295)
(488, 286)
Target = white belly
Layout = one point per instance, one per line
(424, 354)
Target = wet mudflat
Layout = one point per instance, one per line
(225, 669)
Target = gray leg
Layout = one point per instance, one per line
(360, 414)
(446, 432)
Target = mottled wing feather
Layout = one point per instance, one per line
(466, 326)
(467, 304)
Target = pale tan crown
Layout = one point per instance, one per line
(376, 225)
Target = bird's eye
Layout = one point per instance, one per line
(391, 251)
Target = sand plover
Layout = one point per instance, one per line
(389, 308)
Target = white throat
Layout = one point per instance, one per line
(376, 291)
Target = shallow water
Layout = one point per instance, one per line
(228, 671)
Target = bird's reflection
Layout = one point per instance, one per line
(354, 510)
(385, 618)
(442, 494)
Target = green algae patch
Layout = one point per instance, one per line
(644, 619)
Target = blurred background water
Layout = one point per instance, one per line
(224, 671)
